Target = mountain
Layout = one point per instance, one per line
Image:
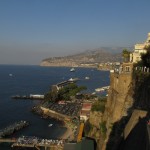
(89, 57)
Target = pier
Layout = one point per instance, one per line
(3, 140)
(31, 97)
(29, 141)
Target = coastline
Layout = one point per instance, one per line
(69, 133)
(86, 67)
(66, 134)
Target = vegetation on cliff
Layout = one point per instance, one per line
(142, 81)
(95, 127)
(145, 59)
(103, 128)
(99, 105)
(126, 55)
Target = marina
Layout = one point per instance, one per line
(35, 79)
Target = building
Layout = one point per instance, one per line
(85, 111)
(84, 144)
(138, 50)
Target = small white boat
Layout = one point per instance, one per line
(10, 75)
(93, 93)
(72, 69)
(99, 90)
(50, 125)
(87, 78)
(73, 79)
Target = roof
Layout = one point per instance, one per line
(86, 106)
(85, 144)
(70, 146)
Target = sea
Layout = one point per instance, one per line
(26, 80)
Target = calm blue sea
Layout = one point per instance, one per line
(27, 80)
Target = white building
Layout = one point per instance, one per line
(138, 50)
(85, 111)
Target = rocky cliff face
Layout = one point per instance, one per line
(126, 112)
(120, 99)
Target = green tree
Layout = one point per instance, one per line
(99, 105)
(70, 90)
(51, 96)
(126, 55)
(146, 57)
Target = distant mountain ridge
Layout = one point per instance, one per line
(101, 55)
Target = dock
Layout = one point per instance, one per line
(31, 97)
(32, 141)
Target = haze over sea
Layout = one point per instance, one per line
(27, 80)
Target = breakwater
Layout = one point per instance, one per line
(12, 128)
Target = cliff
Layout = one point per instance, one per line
(122, 126)
(120, 99)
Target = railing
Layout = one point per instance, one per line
(142, 69)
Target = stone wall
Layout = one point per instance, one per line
(54, 114)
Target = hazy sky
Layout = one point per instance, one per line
(31, 30)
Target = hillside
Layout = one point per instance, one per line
(100, 55)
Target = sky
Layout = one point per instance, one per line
(32, 30)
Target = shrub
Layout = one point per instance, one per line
(99, 106)
(103, 128)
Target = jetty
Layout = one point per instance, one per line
(31, 97)
(35, 142)
(32, 141)
(12, 128)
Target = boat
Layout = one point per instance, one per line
(10, 75)
(87, 78)
(50, 125)
(93, 93)
(73, 79)
(105, 88)
(72, 69)
(99, 90)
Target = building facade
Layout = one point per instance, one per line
(138, 50)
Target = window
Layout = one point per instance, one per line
(127, 69)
